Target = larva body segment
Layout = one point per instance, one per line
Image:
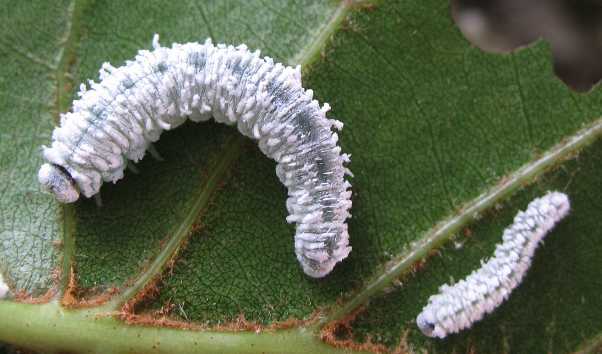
(458, 306)
(4, 290)
(117, 118)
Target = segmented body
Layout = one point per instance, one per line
(117, 118)
(458, 306)
(3, 288)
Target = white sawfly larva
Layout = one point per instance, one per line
(3, 288)
(458, 306)
(119, 117)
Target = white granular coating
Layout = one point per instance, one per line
(117, 118)
(458, 306)
(4, 290)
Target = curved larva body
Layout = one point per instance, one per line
(117, 119)
(457, 307)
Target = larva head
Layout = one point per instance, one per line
(560, 201)
(427, 324)
(57, 181)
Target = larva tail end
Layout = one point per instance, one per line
(321, 268)
(318, 272)
(57, 181)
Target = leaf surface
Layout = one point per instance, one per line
(30, 51)
(432, 124)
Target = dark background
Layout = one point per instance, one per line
(573, 28)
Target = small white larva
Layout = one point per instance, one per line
(458, 306)
(117, 118)
(4, 290)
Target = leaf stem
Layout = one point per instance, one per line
(310, 53)
(172, 247)
(444, 230)
(52, 328)
(593, 345)
(64, 64)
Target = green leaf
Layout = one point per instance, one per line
(447, 143)
(30, 51)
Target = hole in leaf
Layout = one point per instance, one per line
(573, 29)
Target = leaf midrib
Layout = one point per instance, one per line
(174, 245)
(64, 64)
(447, 228)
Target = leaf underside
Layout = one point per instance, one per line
(431, 122)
